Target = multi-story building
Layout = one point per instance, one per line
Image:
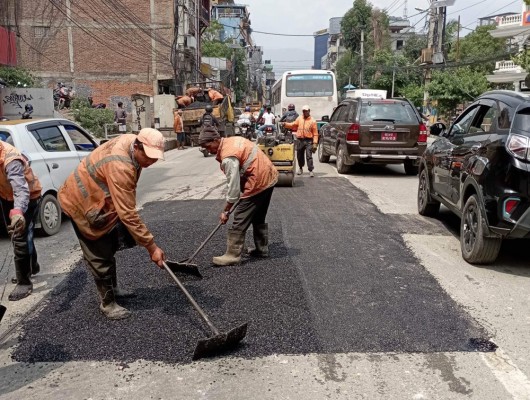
(516, 28)
(321, 47)
(400, 31)
(110, 49)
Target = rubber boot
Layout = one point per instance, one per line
(234, 247)
(118, 291)
(24, 286)
(108, 305)
(261, 240)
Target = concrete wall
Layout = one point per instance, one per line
(15, 99)
(163, 105)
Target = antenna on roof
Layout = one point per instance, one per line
(405, 10)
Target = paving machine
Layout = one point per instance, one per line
(279, 148)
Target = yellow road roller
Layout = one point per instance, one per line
(280, 150)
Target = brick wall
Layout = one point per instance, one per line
(112, 55)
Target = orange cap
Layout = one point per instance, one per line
(153, 142)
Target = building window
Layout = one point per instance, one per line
(399, 45)
(41, 31)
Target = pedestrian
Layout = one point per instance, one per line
(251, 177)
(120, 115)
(215, 96)
(100, 198)
(178, 127)
(20, 192)
(307, 139)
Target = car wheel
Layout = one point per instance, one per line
(342, 167)
(323, 158)
(426, 205)
(410, 168)
(49, 215)
(476, 248)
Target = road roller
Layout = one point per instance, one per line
(279, 148)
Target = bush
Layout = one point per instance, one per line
(92, 119)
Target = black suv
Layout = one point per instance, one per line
(479, 168)
(375, 131)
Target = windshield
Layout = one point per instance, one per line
(389, 111)
(309, 85)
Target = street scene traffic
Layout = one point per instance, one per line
(349, 222)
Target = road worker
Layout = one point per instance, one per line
(184, 101)
(307, 139)
(178, 127)
(20, 192)
(215, 96)
(194, 91)
(251, 177)
(100, 198)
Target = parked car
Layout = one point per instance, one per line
(54, 148)
(375, 131)
(479, 168)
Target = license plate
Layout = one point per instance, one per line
(388, 136)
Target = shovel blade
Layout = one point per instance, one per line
(3, 310)
(218, 343)
(184, 268)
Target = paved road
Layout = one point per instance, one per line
(362, 299)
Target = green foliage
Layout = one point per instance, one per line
(454, 86)
(347, 69)
(413, 47)
(414, 92)
(523, 59)
(17, 77)
(92, 119)
(356, 19)
(480, 45)
(240, 86)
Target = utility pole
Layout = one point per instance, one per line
(393, 79)
(458, 41)
(361, 75)
(430, 45)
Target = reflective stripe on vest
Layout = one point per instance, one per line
(250, 158)
(92, 172)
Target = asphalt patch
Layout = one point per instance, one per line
(340, 279)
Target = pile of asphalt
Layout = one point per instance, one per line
(340, 279)
(197, 104)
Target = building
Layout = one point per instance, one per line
(514, 27)
(110, 49)
(400, 31)
(321, 47)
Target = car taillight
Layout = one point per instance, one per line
(518, 146)
(353, 133)
(509, 206)
(422, 138)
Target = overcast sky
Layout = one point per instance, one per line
(308, 16)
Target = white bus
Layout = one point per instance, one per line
(314, 87)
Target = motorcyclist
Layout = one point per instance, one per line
(268, 121)
(289, 116)
(247, 118)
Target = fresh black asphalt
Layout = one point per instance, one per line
(340, 279)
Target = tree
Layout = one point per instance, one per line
(17, 77)
(355, 20)
(347, 69)
(413, 47)
(455, 86)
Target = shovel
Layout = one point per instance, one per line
(186, 266)
(219, 341)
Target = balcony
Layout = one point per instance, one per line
(507, 72)
(510, 20)
(507, 66)
(511, 25)
(204, 17)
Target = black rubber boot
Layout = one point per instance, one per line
(261, 241)
(20, 292)
(108, 305)
(234, 247)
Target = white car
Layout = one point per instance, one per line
(54, 148)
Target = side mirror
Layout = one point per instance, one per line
(437, 128)
(325, 118)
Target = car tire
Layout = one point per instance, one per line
(476, 249)
(410, 168)
(342, 167)
(49, 215)
(323, 158)
(426, 205)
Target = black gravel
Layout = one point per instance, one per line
(197, 104)
(340, 279)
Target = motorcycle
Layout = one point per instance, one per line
(62, 96)
(28, 110)
(245, 128)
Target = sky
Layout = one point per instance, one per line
(305, 17)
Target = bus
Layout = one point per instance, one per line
(313, 87)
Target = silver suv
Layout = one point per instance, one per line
(54, 148)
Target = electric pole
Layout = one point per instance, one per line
(429, 50)
(361, 75)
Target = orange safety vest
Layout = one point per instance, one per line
(305, 128)
(9, 153)
(102, 190)
(214, 95)
(256, 171)
(178, 126)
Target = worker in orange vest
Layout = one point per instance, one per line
(184, 101)
(20, 192)
(178, 127)
(251, 177)
(215, 96)
(100, 198)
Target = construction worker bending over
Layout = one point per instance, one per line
(100, 198)
(215, 96)
(20, 193)
(307, 139)
(250, 177)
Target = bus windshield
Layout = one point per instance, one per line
(309, 85)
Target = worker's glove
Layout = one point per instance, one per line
(314, 147)
(18, 222)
